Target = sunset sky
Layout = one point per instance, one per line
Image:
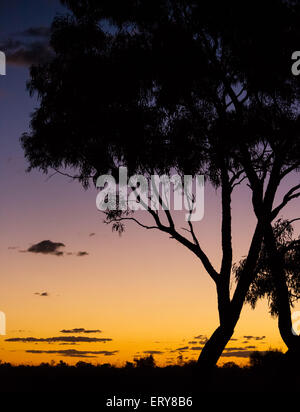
(130, 295)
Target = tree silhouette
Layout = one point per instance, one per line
(265, 283)
(189, 86)
(145, 362)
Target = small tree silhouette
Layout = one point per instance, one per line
(268, 359)
(62, 364)
(145, 362)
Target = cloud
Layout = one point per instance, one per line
(92, 234)
(80, 330)
(42, 294)
(237, 354)
(192, 342)
(27, 47)
(76, 353)
(59, 339)
(232, 349)
(248, 337)
(13, 247)
(153, 352)
(82, 253)
(41, 31)
(23, 53)
(202, 339)
(182, 349)
(47, 247)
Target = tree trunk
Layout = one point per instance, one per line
(229, 311)
(214, 347)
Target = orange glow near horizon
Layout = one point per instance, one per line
(142, 290)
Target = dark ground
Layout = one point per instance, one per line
(270, 372)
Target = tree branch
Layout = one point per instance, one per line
(286, 199)
(134, 220)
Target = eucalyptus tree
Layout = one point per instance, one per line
(185, 86)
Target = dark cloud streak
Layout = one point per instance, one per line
(248, 337)
(29, 47)
(75, 353)
(80, 330)
(153, 352)
(82, 253)
(59, 339)
(47, 247)
(41, 31)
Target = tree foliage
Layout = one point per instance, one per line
(151, 85)
(263, 284)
